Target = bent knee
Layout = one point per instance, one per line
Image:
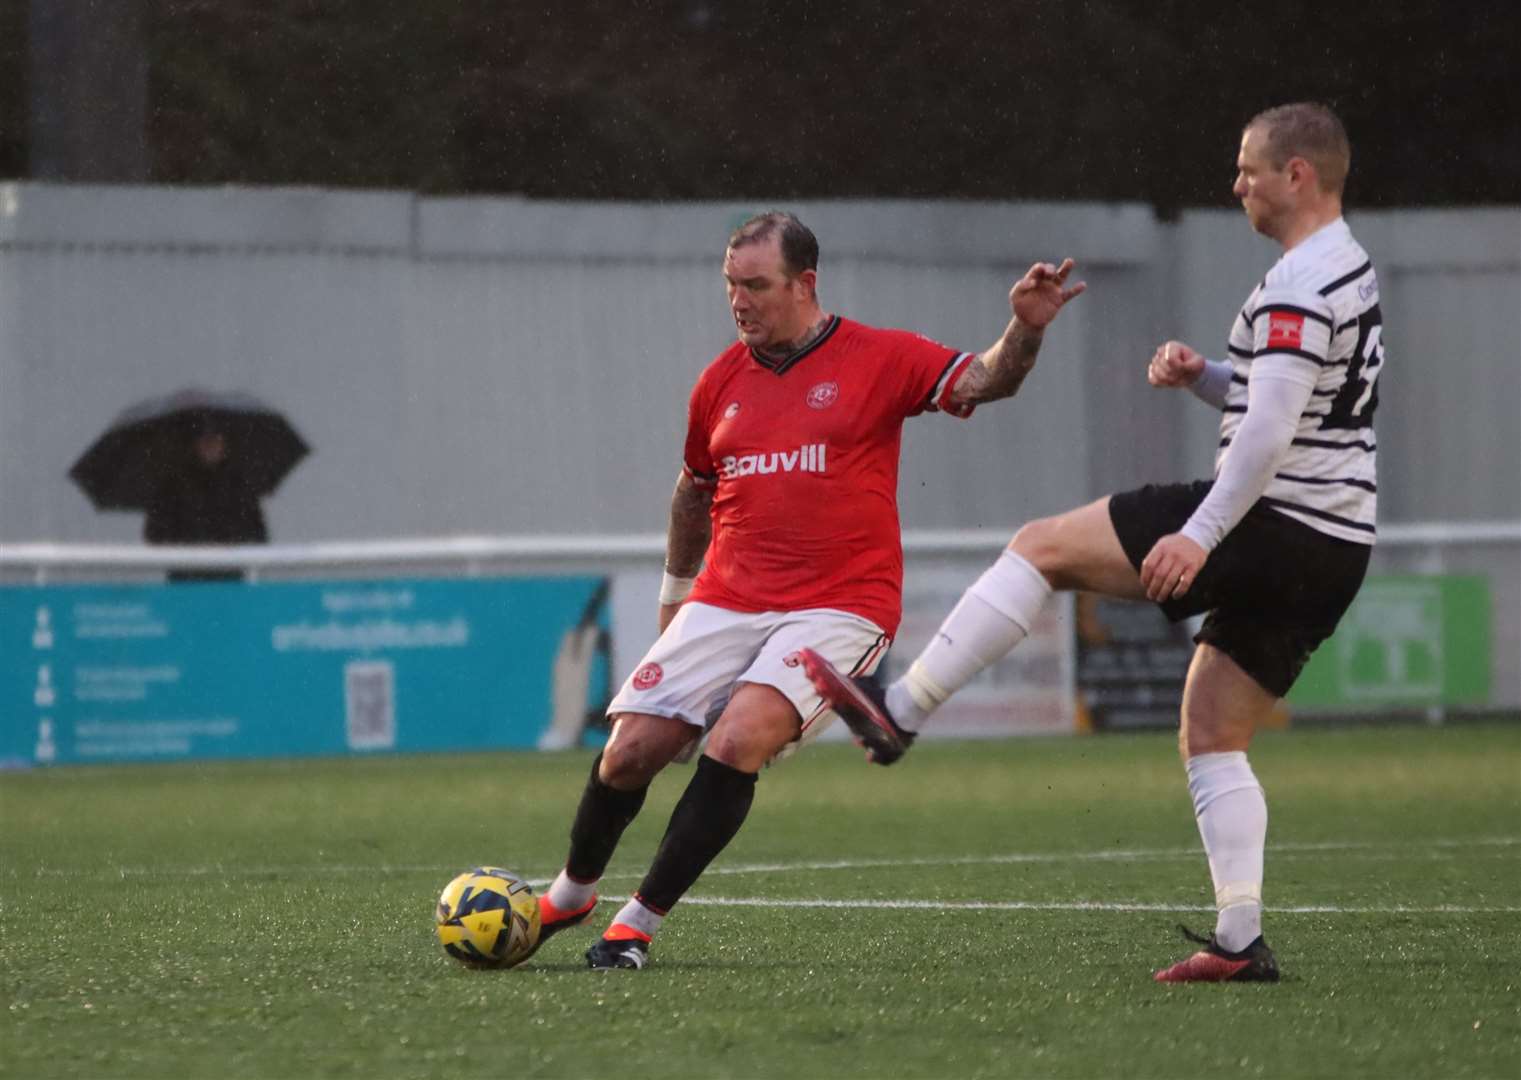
(758, 723)
(1078, 550)
(626, 770)
(748, 747)
(1041, 543)
(637, 751)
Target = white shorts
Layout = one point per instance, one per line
(690, 672)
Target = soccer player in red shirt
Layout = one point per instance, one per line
(789, 488)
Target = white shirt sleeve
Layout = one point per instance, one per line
(1277, 392)
(1210, 387)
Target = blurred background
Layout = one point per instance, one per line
(699, 99)
(469, 252)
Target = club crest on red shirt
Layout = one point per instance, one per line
(1285, 330)
(823, 394)
(647, 676)
(732, 411)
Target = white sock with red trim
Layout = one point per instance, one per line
(634, 916)
(1232, 815)
(568, 894)
(992, 617)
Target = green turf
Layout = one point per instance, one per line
(274, 919)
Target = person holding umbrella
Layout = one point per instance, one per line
(205, 498)
(198, 463)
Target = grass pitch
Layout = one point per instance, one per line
(982, 909)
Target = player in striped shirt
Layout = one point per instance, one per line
(787, 503)
(1274, 548)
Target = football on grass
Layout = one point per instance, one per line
(488, 918)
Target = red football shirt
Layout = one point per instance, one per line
(802, 458)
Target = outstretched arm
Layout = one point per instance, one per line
(1036, 300)
(686, 542)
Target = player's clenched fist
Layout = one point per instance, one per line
(1174, 364)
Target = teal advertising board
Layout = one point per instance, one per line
(231, 670)
(1408, 641)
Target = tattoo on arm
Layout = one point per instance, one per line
(999, 372)
(687, 538)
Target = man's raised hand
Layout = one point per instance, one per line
(1037, 298)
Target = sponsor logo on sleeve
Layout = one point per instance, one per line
(1285, 330)
(648, 676)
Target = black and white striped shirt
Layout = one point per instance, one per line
(1317, 308)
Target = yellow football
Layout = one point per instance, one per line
(488, 918)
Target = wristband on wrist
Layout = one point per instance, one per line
(673, 590)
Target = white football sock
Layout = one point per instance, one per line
(1232, 815)
(568, 894)
(638, 917)
(992, 617)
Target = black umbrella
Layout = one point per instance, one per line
(124, 467)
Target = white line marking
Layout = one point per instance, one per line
(1081, 905)
(1068, 905)
(1431, 849)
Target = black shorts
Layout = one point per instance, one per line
(1274, 588)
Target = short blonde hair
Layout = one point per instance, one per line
(1311, 131)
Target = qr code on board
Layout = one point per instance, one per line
(369, 694)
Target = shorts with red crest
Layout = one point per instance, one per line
(691, 671)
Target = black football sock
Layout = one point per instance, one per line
(709, 813)
(600, 820)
